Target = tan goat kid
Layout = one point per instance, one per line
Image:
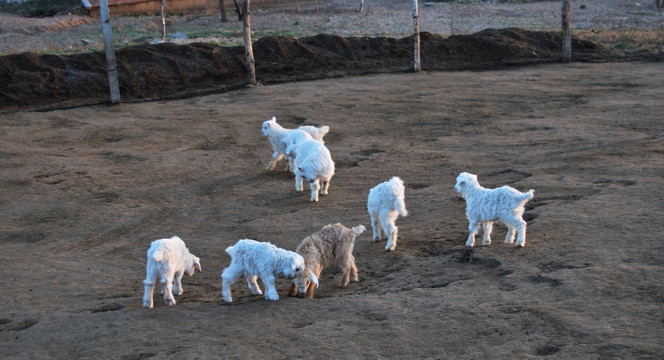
(332, 244)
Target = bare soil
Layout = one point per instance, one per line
(85, 190)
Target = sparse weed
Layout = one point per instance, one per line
(627, 39)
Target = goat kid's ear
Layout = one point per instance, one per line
(314, 279)
(197, 264)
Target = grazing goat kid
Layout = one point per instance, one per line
(275, 133)
(486, 206)
(314, 164)
(168, 260)
(386, 202)
(332, 244)
(253, 259)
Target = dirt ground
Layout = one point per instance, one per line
(85, 190)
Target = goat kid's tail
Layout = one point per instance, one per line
(159, 255)
(324, 130)
(229, 250)
(525, 197)
(358, 229)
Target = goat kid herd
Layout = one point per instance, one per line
(309, 159)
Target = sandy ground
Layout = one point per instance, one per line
(85, 190)
(391, 18)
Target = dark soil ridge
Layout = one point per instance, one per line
(168, 71)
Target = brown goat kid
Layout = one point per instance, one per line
(332, 244)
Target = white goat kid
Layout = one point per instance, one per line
(332, 244)
(275, 134)
(316, 132)
(314, 164)
(386, 202)
(252, 259)
(168, 260)
(291, 141)
(486, 206)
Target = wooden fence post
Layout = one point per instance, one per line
(567, 32)
(163, 21)
(416, 19)
(248, 49)
(111, 65)
(222, 12)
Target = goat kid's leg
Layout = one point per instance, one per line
(309, 294)
(253, 284)
(270, 290)
(345, 278)
(149, 291)
(292, 290)
(511, 231)
(521, 236)
(353, 271)
(390, 228)
(392, 238)
(487, 226)
(276, 157)
(167, 288)
(228, 277)
(177, 284)
(298, 184)
(315, 186)
(473, 228)
(376, 225)
(326, 185)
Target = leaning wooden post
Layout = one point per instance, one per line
(248, 50)
(416, 19)
(111, 65)
(567, 32)
(163, 21)
(222, 12)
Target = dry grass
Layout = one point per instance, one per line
(627, 39)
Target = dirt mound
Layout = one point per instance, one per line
(169, 70)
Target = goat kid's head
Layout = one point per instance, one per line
(463, 181)
(303, 280)
(268, 125)
(296, 266)
(195, 264)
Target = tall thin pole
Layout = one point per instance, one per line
(248, 50)
(163, 21)
(416, 20)
(567, 31)
(111, 65)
